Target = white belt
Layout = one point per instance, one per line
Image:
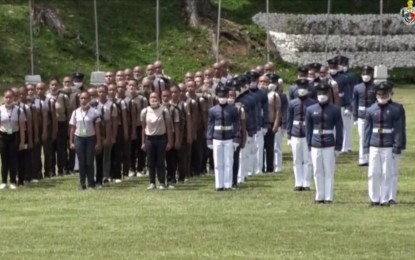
(382, 131)
(341, 94)
(295, 122)
(322, 132)
(362, 108)
(223, 128)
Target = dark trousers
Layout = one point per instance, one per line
(99, 160)
(156, 158)
(126, 157)
(197, 155)
(235, 168)
(184, 160)
(172, 163)
(47, 152)
(70, 164)
(9, 147)
(24, 167)
(269, 150)
(138, 156)
(37, 161)
(85, 150)
(60, 147)
(207, 157)
(116, 155)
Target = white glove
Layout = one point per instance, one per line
(336, 153)
(264, 131)
(289, 142)
(210, 146)
(347, 112)
(235, 146)
(355, 123)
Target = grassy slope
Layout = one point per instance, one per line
(127, 33)
(263, 220)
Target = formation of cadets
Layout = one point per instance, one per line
(140, 122)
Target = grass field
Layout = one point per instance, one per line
(265, 219)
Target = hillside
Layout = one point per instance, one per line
(127, 35)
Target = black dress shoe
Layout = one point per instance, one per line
(363, 164)
(219, 189)
(392, 202)
(328, 202)
(298, 188)
(319, 201)
(373, 204)
(306, 188)
(386, 204)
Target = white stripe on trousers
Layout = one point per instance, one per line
(223, 161)
(324, 165)
(347, 131)
(259, 152)
(363, 158)
(278, 150)
(302, 165)
(396, 161)
(379, 173)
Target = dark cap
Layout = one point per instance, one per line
(315, 66)
(343, 60)
(323, 87)
(221, 91)
(303, 70)
(253, 76)
(78, 76)
(302, 83)
(366, 70)
(273, 78)
(384, 87)
(333, 62)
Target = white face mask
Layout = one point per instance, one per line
(302, 92)
(345, 68)
(154, 104)
(310, 79)
(317, 75)
(272, 87)
(223, 101)
(77, 84)
(383, 101)
(231, 101)
(340, 67)
(366, 78)
(253, 85)
(322, 99)
(332, 71)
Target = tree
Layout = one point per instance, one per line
(197, 10)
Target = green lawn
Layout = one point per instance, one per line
(265, 219)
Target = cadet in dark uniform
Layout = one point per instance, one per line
(321, 120)
(302, 74)
(383, 139)
(364, 96)
(223, 137)
(296, 133)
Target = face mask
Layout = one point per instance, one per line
(155, 104)
(253, 85)
(366, 78)
(332, 71)
(223, 101)
(383, 101)
(302, 92)
(340, 67)
(231, 101)
(345, 68)
(322, 99)
(310, 79)
(317, 75)
(77, 84)
(272, 87)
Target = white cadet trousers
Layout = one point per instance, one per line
(259, 152)
(278, 150)
(380, 171)
(302, 165)
(324, 165)
(347, 131)
(250, 155)
(244, 161)
(223, 161)
(396, 163)
(363, 158)
(254, 159)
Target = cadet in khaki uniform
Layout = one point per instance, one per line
(184, 167)
(60, 105)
